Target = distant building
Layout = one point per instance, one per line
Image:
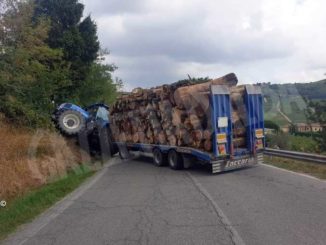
(302, 127)
(285, 129)
(312, 127)
(316, 127)
(269, 131)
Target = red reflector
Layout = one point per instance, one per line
(222, 149)
(259, 144)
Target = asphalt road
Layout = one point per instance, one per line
(134, 202)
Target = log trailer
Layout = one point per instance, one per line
(224, 155)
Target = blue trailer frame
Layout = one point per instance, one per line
(222, 158)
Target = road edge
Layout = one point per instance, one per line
(28, 230)
(293, 172)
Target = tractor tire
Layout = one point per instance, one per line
(71, 122)
(106, 144)
(114, 147)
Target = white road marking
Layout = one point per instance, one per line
(289, 171)
(237, 240)
(29, 230)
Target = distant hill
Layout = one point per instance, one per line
(313, 90)
(290, 100)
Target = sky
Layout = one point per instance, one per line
(155, 42)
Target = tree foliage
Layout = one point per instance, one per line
(30, 71)
(316, 112)
(191, 81)
(47, 52)
(272, 125)
(76, 37)
(313, 90)
(104, 90)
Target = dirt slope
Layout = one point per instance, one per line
(32, 158)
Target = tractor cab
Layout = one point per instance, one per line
(98, 112)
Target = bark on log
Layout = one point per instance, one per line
(172, 140)
(175, 115)
(208, 134)
(239, 132)
(239, 142)
(186, 97)
(208, 145)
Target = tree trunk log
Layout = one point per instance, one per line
(239, 142)
(177, 114)
(186, 97)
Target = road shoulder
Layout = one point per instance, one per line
(30, 229)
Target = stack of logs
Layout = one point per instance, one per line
(239, 116)
(177, 115)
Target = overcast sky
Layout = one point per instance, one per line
(155, 41)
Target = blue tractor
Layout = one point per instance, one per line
(90, 124)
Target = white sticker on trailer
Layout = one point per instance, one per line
(222, 122)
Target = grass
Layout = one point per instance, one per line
(30, 158)
(313, 169)
(23, 209)
(293, 143)
(303, 144)
(291, 102)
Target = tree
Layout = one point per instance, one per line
(316, 112)
(37, 64)
(88, 32)
(65, 16)
(78, 39)
(99, 85)
(30, 71)
(272, 125)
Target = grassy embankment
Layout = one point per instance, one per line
(30, 159)
(293, 143)
(313, 169)
(28, 206)
(37, 168)
(296, 143)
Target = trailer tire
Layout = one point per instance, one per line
(159, 158)
(124, 152)
(175, 160)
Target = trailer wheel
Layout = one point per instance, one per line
(175, 160)
(123, 152)
(159, 158)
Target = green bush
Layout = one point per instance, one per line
(38, 67)
(272, 125)
(292, 143)
(280, 141)
(303, 144)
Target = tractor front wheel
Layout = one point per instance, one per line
(71, 122)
